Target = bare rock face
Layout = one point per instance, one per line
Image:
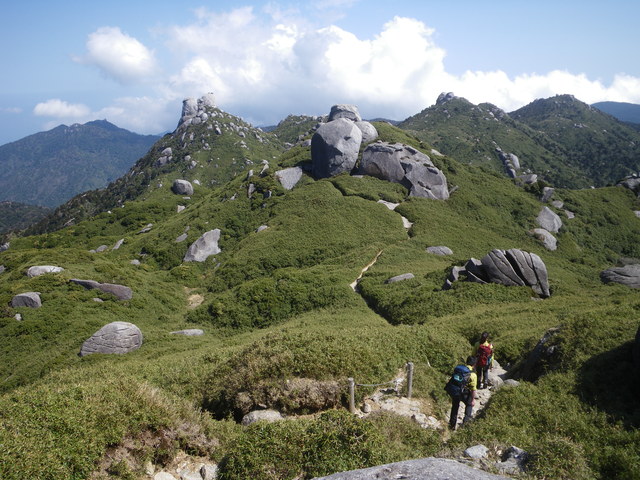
(116, 337)
(27, 299)
(549, 241)
(289, 177)
(507, 267)
(399, 163)
(204, 247)
(369, 132)
(420, 469)
(350, 112)
(335, 147)
(548, 220)
(182, 187)
(38, 270)
(119, 291)
(628, 275)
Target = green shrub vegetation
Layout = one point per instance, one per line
(279, 311)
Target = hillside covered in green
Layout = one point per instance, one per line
(562, 140)
(48, 168)
(284, 329)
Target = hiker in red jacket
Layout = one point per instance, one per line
(484, 357)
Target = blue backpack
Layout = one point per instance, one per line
(457, 386)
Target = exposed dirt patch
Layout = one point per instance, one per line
(161, 449)
(194, 300)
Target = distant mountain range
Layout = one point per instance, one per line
(17, 216)
(625, 112)
(48, 168)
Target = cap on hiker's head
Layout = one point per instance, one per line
(471, 360)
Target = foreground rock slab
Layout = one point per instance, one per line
(115, 337)
(421, 469)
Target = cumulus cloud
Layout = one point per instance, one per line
(61, 109)
(263, 65)
(118, 55)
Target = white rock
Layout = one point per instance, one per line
(38, 270)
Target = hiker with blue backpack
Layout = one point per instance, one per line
(483, 352)
(461, 387)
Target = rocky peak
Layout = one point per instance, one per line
(444, 97)
(193, 109)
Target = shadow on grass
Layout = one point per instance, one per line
(610, 382)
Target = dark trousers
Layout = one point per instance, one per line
(455, 405)
(483, 375)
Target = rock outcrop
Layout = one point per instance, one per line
(182, 187)
(506, 267)
(369, 132)
(119, 291)
(194, 111)
(421, 469)
(541, 358)
(190, 332)
(204, 247)
(400, 278)
(399, 163)
(628, 275)
(27, 299)
(116, 337)
(335, 147)
(350, 112)
(549, 220)
(38, 270)
(549, 241)
(289, 177)
(440, 250)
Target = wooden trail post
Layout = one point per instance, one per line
(352, 395)
(409, 379)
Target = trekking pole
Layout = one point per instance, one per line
(409, 379)
(352, 395)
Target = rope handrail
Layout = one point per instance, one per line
(397, 382)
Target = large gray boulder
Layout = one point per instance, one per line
(334, 148)
(517, 268)
(628, 275)
(369, 132)
(421, 469)
(116, 337)
(4, 246)
(27, 299)
(204, 247)
(38, 270)
(549, 241)
(289, 177)
(350, 112)
(512, 267)
(119, 291)
(182, 187)
(549, 220)
(399, 163)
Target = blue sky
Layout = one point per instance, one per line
(134, 62)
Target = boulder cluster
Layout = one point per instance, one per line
(335, 148)
(512, 267)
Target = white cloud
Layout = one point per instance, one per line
(263, 65)
(118, 55)
(61, 109)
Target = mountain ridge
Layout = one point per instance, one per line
(54, 165)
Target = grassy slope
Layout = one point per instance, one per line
(279, 306)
